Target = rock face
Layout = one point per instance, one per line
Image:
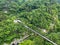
(17, 41)
(14, 42)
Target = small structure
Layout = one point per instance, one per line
(16, 21)
(44, 30)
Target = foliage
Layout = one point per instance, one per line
(37, 14)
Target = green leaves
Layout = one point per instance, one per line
(27, 42)
(33, 13)
(55, 37)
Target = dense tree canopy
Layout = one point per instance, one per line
(37, 14)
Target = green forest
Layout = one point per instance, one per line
(42, 16)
